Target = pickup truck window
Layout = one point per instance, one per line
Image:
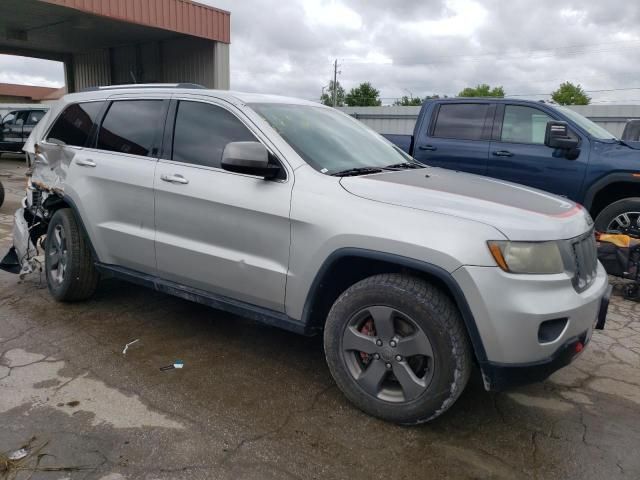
(524, 125)
(596, 131)
(328, 140)
(35, 117)
(463, 121)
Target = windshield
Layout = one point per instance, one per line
(328, 140)
(592, 129)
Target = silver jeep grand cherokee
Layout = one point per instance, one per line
(293, 214)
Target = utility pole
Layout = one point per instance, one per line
(335, 83)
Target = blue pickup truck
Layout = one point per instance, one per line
(533, 143)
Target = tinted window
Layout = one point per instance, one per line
(461, 120)
(524, 124)
(73, 126)
(131, 126)
(9, 118)
(35, 117)
(203, 130)
(22, 117)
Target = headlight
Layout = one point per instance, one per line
(527, 257)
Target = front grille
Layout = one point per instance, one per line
(586, 261)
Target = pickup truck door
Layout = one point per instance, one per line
(518, 153)
(457, 136)
(222, 232)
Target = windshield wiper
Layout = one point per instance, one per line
(352, 172)
(406, 165)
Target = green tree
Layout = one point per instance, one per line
(570, 94)
(408, 101)
(364, 95)
(482, 90)
(327, 97)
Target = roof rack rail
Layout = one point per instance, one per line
(144, 85)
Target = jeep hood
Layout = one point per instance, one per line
(519, 212)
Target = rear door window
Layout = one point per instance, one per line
(132, 126)
(73, 126)
(203, 130)
(35, 117)
(524, 125)
(22, 117)
(463, 121)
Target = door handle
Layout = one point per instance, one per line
(503, 153)
(430, 148)
(85, 162)
(175, 178)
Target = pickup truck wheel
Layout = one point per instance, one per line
(622, 216)
(71, 274)
(397, 348)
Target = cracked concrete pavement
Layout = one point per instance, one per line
(257, 402)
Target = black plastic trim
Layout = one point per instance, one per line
(601, 183)
(237, 307)
(500, 376)
(428, 268)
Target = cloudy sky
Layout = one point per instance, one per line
(421, 47)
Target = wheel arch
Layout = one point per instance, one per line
(53, 203)
(609, 189)
(346, 266)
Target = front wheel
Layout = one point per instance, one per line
(71, 274)
(622, 216)
(397, 348)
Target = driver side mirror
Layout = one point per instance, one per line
(250, 158)
(557, 135)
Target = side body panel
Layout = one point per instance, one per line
(223, 232)
(326, 218)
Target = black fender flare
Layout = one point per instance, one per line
(597, 186)
(425, 267)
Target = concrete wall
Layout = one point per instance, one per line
(179, 60)
(401, 120)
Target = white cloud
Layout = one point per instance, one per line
(423, 46)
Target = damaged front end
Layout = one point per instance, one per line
(29, 231)
(30, 227)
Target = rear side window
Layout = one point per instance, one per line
(35, 117)
(464, 121)
(203, 130)
(73, 126)
(524, 125)
(131, 126)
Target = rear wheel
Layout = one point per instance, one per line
(397, 348)
(622, 216)
(71, 274)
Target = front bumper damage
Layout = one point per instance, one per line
(24, 256)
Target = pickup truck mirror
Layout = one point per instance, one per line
(251, 158)
(557, 135)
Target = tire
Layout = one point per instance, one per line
(1, 194)
(417, 310)
(71, 274)
(606, 217)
